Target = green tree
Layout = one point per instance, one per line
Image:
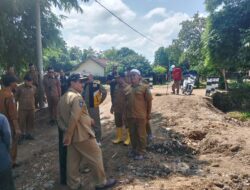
(175, 51)
(161, 57)
(87, 53)
(190, 38)
(159, 70)
(226, 36)
(126, 58)
(110, 54)
(18, 29)
(75, 54)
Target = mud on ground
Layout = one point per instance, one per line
(195, 147)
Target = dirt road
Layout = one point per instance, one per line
(195, 147)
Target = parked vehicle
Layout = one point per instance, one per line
(188, 84)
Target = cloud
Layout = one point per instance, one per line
(104, 39)
(168, 28)
(134, 43)
(160, 11)
(100, 30)
(119, 8)
(94, 17)
(82, 41)
(98, 41)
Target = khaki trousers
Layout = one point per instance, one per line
(176, 85)
(52, 104)
(95, 115)
(26, 120)
(138, 134)
(91, 153)
(13, 149)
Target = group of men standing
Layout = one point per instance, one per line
(79, 121)
(131, 105)
(74, 106)
(19, 122)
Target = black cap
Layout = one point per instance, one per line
(76, 77)
(50, 69)
(8, 79)
(27, 77)
(31, 64)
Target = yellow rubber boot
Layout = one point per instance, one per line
(127, 141)
(118, 136)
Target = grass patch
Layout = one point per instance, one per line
(240, 115)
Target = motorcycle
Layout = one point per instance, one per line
(188, 85)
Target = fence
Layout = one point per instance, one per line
(212, 85)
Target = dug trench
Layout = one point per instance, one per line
(195, 146)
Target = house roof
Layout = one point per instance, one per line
(101, 62)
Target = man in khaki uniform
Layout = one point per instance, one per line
(11, 71)
(52, 88)
(94, 94)
(148, 125)
(8, 108)
(25, 95)
(34, 76)
(138, 110)
(74, 120)
(118, 110)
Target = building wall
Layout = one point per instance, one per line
(90, 67)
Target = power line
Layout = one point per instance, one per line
(135, 30)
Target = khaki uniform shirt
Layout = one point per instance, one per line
(52, 86)
(73, 116)
(119, 99)
(138, 101)
(34, 76)
(8, 107)
(25, 95)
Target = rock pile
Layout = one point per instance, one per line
(173, 147)
(150, 170)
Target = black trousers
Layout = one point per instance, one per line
(6, 180)
(62, 158)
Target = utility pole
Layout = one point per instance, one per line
(39, 54)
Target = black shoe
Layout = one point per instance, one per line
(131, 154)
(21, 139)
(29, 137)
(110, 183)
(51, 122)
(16, 165)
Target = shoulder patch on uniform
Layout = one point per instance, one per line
(81, 103)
